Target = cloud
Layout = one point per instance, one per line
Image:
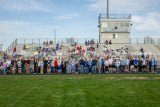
(24, 5)
(123, 6)
(67, 17)
(148, 22)
(145, 13)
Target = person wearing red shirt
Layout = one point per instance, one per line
(14, 49)
(56, 65)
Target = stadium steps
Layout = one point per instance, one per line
(145, 47)
(154, 48)
(157, 46)
(130, 48)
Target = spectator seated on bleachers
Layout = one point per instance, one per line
(142, 50)
(110, 42)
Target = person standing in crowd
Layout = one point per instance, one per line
(76, 65)
(117, 64)
(102, 65)
(81, 63)
(150, 66)
(86, 66)
(73, 66)
(64, 65)
(98, 65)
(32, 65)
(90, 65)
(41, 66)
(5, 67)
(147, 65)
(144, 65)
(154, 63)
(93, 66)
(106, 63)
(12, 66)
(49, 66)
(123, 65)
(127, 65)
(19, 63)
(35, 65)
(59, 65)
(113, 65)
(140, 65)
(110, 64)
(69, 66)
(56, 65)
(136, 64)
(27, 66)
(52, 65)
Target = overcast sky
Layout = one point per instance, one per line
(72, 18)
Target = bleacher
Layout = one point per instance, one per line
(152, 50)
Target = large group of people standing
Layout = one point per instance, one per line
(80, 60)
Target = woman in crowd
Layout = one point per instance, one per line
(5, 67)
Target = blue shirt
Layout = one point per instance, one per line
(136, 62)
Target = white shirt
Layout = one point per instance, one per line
(110, 61)
(106, 63)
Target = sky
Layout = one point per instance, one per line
(72, 18)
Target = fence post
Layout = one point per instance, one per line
(39, 41)
(16, 42)
(32, 41)
(62, 41)
(24, 41)
(137, 40)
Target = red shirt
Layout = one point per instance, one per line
(83, 51)
(14, 50)
(55, 63)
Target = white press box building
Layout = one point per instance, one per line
(114, 27)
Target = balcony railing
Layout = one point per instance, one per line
(115, 16)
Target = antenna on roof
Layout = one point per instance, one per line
(107, 9)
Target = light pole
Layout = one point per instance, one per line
(99, 22)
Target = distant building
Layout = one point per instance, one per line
(114, 27)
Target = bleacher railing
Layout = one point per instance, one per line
(40, 41)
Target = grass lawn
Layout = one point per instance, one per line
(108, 90)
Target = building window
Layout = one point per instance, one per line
(114, 36)
(126, 24)
(121, 24)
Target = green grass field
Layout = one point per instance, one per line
(80, 90)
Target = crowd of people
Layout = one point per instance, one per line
(78, 59)
(81, 65)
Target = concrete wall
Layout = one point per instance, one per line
(120, 37)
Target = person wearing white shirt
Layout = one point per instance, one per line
(106, 64)
(117, 64)
(127, 64)
(110, 60)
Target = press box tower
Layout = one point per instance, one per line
(114, 27)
